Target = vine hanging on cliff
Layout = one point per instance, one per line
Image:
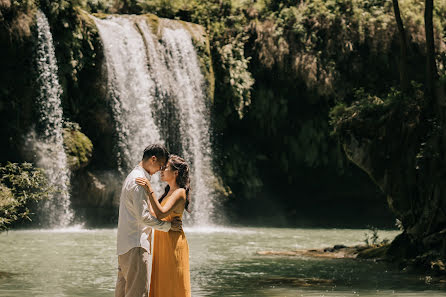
(240, 79)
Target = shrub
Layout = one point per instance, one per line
(20, 185)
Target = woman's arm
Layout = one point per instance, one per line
(177, 198)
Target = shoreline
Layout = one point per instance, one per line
(433, 269)
(376, 253)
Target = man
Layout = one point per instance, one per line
(134, 246)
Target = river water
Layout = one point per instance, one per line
(224, 262)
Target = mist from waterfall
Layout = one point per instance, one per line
(157, 92)
(47, 139)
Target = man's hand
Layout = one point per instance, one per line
(176, 225)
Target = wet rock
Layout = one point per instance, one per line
(336, 252)
(335, 248)
(378, 252)
(4, 274)
(78, 148)
(299, 281)
(398, 144)
(95, 196)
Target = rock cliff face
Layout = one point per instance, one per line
(399, 142)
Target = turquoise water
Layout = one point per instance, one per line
(224, 262)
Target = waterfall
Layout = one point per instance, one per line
(130, 89)
(188, 86)
(162, 75)
(47, 140)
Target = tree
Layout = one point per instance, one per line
(404, 80)
(431, 66)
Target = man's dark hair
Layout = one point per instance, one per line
(157, 150)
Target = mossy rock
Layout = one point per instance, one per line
(153, 22)
(78, 148)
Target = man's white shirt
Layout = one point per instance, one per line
(134, 215)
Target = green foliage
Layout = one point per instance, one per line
(319, 38)
(364, 107)
(275, 5)
(75, 32)
(305, 58)
(369, 111)
(63, 7)
(163, 8)
(280, 66)
(224, 25)
(237, 168)
(239, 77)
(100, 5)
(372, 238)
(16, 5)
(16, 18)
(316, 39)
(20, 184)
(429, 150)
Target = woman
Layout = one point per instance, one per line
(170, 268)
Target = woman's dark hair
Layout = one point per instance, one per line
(157, 150)
(177, 163)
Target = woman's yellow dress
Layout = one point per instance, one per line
(170, 267)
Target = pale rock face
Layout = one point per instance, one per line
(389, 151)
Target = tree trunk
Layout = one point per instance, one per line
(431, 66)
(404, 79)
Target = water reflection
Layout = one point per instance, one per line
(223, 263)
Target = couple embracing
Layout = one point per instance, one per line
(153, 254)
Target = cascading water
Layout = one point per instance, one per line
(47, 140)
(130, 91)
(188, 83)
(162, 76)
(130, 88)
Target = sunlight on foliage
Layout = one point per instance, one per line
(20, 184)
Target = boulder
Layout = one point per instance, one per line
(78, 148)
(95, 196)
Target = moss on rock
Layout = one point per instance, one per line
(78, 148)
(153, 22)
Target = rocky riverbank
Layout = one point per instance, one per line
(336, 252)
(435, 268)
